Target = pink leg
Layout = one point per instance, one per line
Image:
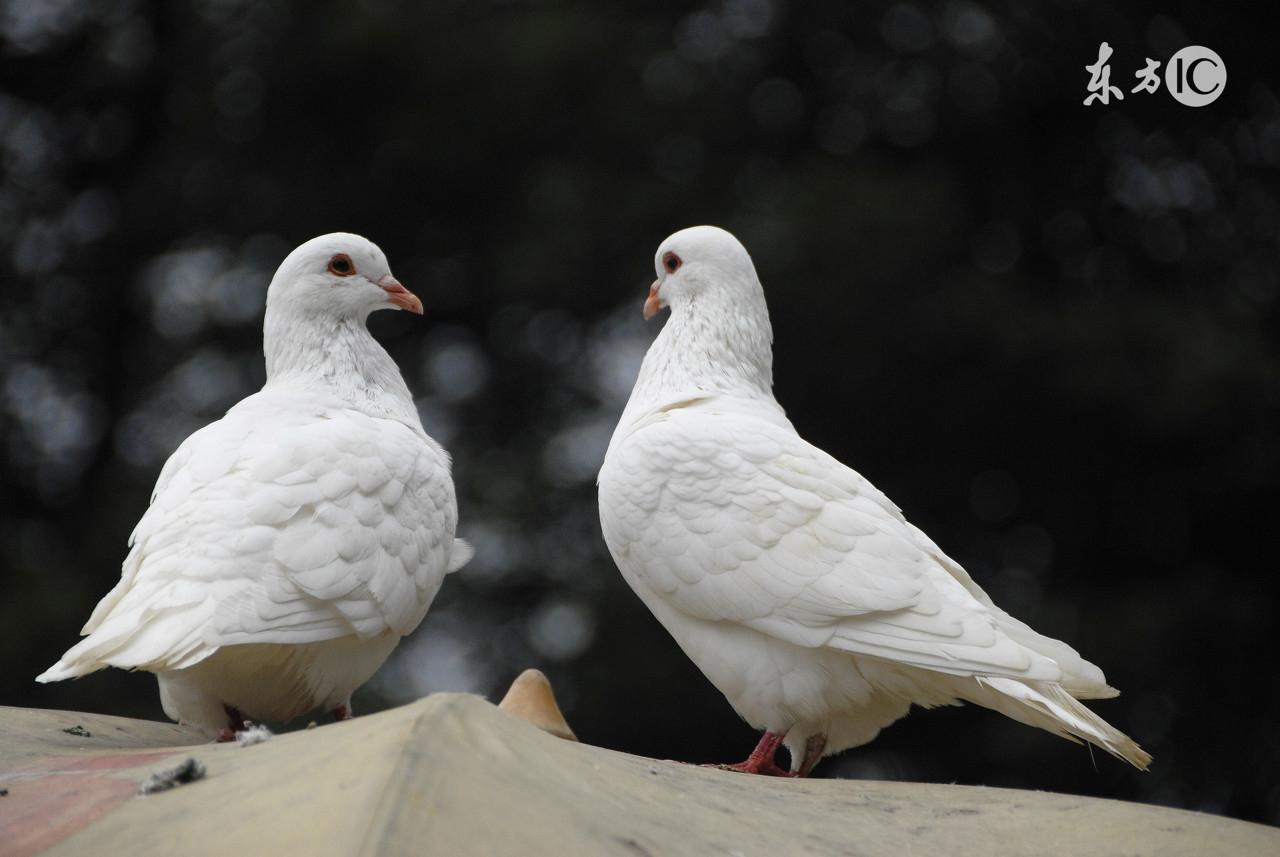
(343, 711)
(236, 723)
(761, 759)
(813, 748)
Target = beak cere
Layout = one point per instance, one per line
(653, 303)
(399, 295)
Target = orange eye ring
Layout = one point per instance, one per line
(342, 265)
(671, 262)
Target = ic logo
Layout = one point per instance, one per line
(1195, 76)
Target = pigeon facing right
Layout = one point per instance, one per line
(796, 586)
(292, 544)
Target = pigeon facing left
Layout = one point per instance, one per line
(797, 588)
(290, 545)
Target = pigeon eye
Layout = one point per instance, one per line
(671, 262)
(342, 265)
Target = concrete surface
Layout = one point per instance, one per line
(453, 775)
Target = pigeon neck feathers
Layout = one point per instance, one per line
(716, 341)
(335, 355)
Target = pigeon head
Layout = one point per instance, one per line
(718, 338)
(701, 262)
(340, 275)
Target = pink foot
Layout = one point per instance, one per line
(767, 769)
(761, 759)
(343, 712)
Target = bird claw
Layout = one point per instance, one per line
(767, 769)
(761, 759)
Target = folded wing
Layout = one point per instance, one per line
(279, 524)
(730, 517)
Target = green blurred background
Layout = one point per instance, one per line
(1047, 331)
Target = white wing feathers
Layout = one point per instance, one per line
(732, 517)
(279, 525)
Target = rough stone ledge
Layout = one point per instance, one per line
(453, 775)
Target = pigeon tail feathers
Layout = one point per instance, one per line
(1051, 707)
(462, 554)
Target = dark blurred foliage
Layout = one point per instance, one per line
(1048, 331)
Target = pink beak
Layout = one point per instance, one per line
(652, 303)
(399, 295)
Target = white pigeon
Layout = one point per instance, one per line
(798, 588)
(291, 544)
